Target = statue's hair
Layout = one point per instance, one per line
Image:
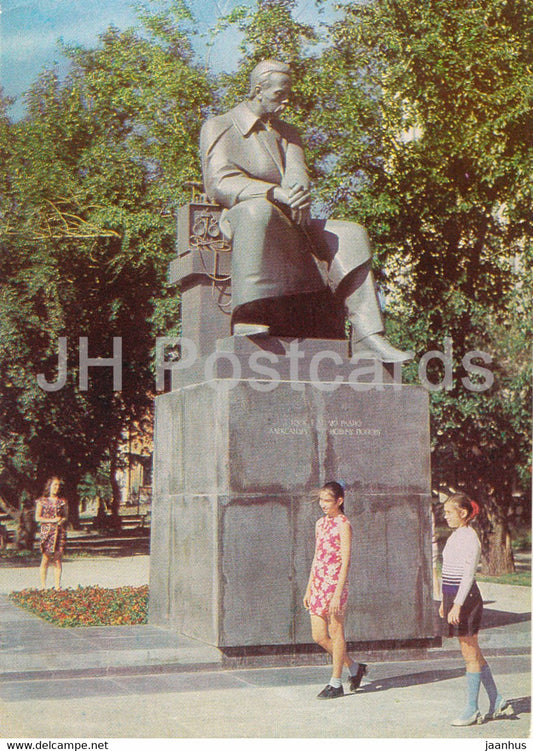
(261, 73)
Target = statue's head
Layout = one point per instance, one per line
(261, 74)
(270, 86)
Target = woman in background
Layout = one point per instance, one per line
(51, 512)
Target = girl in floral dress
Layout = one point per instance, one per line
(51, 513)
(326, 595)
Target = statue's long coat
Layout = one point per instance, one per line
(242, 161)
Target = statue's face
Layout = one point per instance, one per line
(273, 96)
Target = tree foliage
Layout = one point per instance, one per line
(442, 178)
(93, 173)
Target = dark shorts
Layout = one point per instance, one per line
(470, 617)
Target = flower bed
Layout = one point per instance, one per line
(86, 606)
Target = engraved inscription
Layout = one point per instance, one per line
(291, 426)
(298, 426)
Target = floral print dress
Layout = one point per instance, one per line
(51, 545)
(327, 564)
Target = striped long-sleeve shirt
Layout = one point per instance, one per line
(460, 560)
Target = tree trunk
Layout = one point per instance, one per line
(115, 503)
(9, 510)
(25, 536)
(71, 494)
(497, 555)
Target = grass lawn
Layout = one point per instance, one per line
(520, 578)
(9, 554)
(86, 606)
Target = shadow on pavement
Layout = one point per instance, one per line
(121, 685)
(520, 706)
(411, 679)
(495, 618)
(37, 689)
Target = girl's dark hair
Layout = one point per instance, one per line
(48, 484)
(461, 500)
(337, 489)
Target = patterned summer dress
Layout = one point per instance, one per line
(50, 545)
(325, 572)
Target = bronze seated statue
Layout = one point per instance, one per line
(291, 275)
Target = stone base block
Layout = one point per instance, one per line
(236, 469)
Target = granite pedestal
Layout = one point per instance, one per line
(238, 457)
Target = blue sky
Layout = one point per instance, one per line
(30, 30)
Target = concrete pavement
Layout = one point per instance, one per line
(143, 682)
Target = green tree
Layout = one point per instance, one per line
(270, 31)
(94, 174)
(426, 122)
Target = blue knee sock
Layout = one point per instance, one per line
(473, 682)
(490, 687)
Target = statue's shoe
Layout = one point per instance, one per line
(377, 347)
(250, 329)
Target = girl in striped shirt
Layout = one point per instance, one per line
(462, 607)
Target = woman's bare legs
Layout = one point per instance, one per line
(43, 570)
(58, 568)
(332, 640)
(472, 653)
(340, 658)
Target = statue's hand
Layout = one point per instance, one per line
(298, 197)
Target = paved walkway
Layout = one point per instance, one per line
(144, 682)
